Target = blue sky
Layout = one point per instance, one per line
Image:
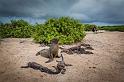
(100, 12)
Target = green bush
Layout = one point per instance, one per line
(67, 29)
(19, 23)
(113, 28)
(88, 27)
(21, 32)
(16, 29)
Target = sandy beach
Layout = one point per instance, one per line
(106, 64)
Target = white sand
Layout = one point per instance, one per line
(108, 60)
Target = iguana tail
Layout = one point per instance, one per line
(62, 57)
